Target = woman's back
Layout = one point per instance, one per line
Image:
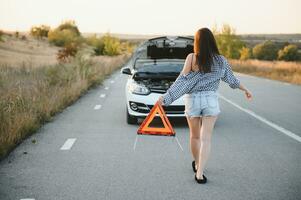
(194, 80)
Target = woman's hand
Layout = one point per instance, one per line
(160, 100)
(248, 94)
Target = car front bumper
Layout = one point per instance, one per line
(140, 105)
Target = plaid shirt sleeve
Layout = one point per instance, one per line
(229, 76)
(183, 85)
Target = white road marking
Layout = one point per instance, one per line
(286, 83)
(262, 119)
(68, 144)
(97, 107)
(245, 75)
(102, 95)
(135, 142)
(112, 81)
(179, 143)
(106, 88)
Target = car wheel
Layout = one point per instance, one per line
(130, 119)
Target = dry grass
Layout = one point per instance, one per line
(28, 52)
(277, 70)
(30, 96)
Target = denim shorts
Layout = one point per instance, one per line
(201, 103)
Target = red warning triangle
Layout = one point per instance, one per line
(145, 129)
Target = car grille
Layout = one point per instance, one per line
(142, 108)
(161, 91)
(172, 109)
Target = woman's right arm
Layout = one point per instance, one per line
(247, 92)
(182, 85)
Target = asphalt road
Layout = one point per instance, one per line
(90, 152)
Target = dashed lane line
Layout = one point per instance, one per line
(106, 88)
(135, 142)
(68, 144)
(97, 107)
(262, 119)
(102, 95)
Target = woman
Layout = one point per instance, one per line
(199, 81)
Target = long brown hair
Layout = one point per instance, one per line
(205, 49)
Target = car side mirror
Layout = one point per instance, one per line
(126, 70)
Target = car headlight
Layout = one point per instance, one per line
(136, 88)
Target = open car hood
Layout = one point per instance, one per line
(155, 76)
(169, 47)
(158, 69)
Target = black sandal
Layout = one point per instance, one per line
(200, 181)
(193, 166)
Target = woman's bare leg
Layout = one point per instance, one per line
(194, 127)
(206, 133)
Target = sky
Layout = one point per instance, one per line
(171, 17)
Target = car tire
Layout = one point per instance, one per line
(130, 119)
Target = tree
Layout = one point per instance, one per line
(289, 53)
(245, 53)
(265, 51)
(228, 42)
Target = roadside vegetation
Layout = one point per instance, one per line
(278, 61)
(47, 70)
(31, 96)
(277, 70)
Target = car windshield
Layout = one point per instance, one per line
(162, 67)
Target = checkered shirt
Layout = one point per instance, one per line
(199, 81)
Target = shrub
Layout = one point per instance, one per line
(65, 34)
(245, 53)
(17, 34)
(1, 34)
(228, 42)
(96, 43)
(108, 45)
(69, 25)
(111, 45)
(127, 47)
(289, 53)
(67, 52)
(265, 51)
(63, 38)
(39, 31)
